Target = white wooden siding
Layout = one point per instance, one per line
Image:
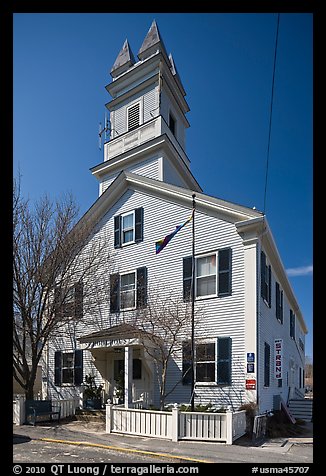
(149, 109)
(269, 329)
(166, 107)
(219, 317)
(170, 174)
(147, 168)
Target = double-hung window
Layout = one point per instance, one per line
(68, 367)
(128, 228)
(128, 291)
(213, 275)
(212, 361)
(205, 362)
(206, 276)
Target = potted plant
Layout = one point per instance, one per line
(92, 393)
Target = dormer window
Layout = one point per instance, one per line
(172, 124)
(133, 116)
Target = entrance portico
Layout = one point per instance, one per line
(121, 359)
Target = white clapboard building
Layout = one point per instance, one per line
(249, 328)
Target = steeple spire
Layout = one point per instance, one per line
(151, 43)
(124, 60)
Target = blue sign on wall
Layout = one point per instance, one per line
(250, 357)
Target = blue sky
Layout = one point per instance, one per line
(225, 61)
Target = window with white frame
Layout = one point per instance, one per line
(68, 367)
(128, 228)
(212, 362)
(206, 276)
(128, 291)
(205, 362)
(213, 275)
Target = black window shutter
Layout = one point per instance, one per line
(267, 357)
(277, 300)
(57, 368)
(187, 276)
(78, 367)
(114, 292)
(117, 231)
(225, 272)
(141, 287)
(224, 349)
(269, 297)
(78, 307)
(263, 275)
(292, 324)
(139, 224)
(281, 307)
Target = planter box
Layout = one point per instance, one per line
(93, 403)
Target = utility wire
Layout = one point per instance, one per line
(271, 113)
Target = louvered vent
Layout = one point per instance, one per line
(133, 116)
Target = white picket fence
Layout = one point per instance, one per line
(67, 408)
(223, 427)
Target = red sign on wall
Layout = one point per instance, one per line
(250, 384)
(278, 358)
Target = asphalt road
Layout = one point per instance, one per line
(33, 451)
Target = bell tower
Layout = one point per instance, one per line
(147, 117)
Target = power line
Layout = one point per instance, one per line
(271, 113)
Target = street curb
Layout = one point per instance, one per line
(127, 450)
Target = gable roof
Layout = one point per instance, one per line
(247, 221)
(227, 211)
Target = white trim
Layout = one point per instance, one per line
(133, 228)
(141, 118)
(134, 272)
(206, 342)
(206, 296)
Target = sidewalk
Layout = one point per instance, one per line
(93, 434)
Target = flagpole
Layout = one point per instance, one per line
(193, 307)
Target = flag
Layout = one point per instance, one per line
(159, 245)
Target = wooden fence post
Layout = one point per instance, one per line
(108, 417)
(229, 427)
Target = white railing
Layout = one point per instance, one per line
(203, 426)
(238, 424)
(224, 427)
(19, 409)
(151, 129)
(139, 422)
(67, 407)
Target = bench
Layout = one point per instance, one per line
(40, 408)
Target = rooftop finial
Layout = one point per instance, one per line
(124, 60)
(151, 43)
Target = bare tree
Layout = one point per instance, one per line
(55, 265)
(165, 324)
